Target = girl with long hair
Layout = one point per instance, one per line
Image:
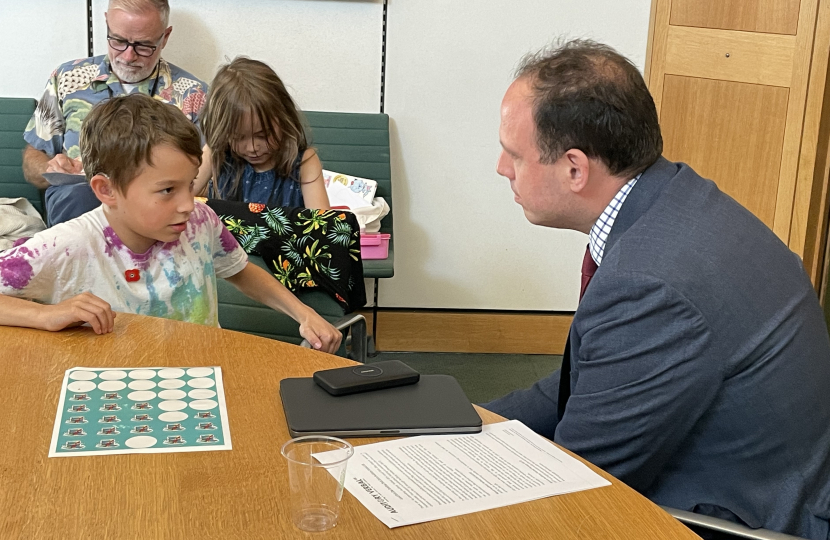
(259, 151)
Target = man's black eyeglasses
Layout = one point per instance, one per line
(141, 49)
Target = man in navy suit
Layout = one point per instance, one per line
(698, 362)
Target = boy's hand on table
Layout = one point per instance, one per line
(322, 335)
(84, 308)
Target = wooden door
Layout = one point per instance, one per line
(740, 95)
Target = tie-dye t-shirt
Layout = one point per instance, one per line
(174, 280)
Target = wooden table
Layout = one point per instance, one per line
(241, 493)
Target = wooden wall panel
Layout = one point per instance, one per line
(812, 197)
(768, 16)
(730, 132)
(730, 56)
(471, 331)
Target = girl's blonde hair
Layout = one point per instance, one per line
(246, 85)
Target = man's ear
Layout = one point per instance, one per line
(578, 166)
(166, 37)
(103, 189)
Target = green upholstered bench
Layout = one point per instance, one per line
(14, 115)
(348, 143)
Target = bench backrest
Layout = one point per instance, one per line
(355, 144)
(14, 115)
(358, 144)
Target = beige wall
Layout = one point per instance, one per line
(36, 37)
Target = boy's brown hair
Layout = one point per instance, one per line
(118, 136)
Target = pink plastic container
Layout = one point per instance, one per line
(374, 245)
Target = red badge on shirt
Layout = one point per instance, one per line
(256, 208)
(132, 275)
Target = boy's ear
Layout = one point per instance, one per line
(103, 189)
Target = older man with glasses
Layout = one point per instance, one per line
(137, 31)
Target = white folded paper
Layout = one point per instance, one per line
(420, 479)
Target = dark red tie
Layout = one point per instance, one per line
(588, 269)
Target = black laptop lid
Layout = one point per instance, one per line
(436, 404)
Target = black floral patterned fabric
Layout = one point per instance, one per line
(303, 247)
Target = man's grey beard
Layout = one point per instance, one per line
(131, 77)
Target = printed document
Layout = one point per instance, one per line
(419, 479)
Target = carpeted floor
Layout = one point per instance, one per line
(482, 376)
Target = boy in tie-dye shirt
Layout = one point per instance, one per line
(150, 248)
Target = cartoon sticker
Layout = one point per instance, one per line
(142, 418)
(174, 427)
(107, 443)
(142, 406)
(112, 395)
(79, 397)
(78, 408)
(205, 414)
(141, 429)
(73, 445)
(109, 430)
(76, 420)
(174, 439)
(205, 425)
(75, 432)
(207, 438)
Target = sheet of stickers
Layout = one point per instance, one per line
(141, 410)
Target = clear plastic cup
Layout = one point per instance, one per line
(316, 487)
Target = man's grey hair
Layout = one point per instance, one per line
(137, 6)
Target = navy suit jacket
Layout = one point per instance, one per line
(700, 363)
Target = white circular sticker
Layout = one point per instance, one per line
(171, 383)
(201, 393)
(172, 405)
(171, 394)
(80, 386)
(141, 385)
(203, 404)
(111, 386)
(171, 373)
(174, 416)
(200, 383)
(142, 374)
(112, 375)
(143, 441)
(82, 375)
(199, 371)
(143, 395)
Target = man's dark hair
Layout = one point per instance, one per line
(589, 97)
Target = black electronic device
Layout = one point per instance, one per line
(366, 377)
(436, 405)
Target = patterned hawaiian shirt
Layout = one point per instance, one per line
(76, 86)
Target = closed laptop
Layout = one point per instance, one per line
(434, 405)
